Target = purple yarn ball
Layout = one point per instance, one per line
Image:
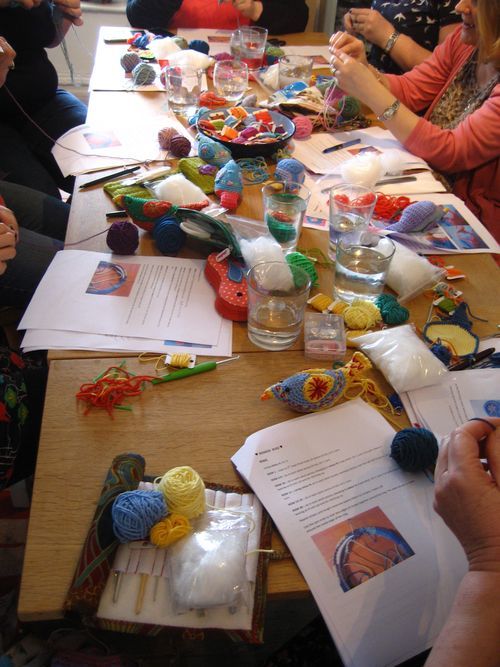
(123, 237)
(180, 146)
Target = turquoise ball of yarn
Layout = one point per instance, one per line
(392, 312)
(134, 513)
(199, 45)
(168, 235)
(414, 449)
(290, 169)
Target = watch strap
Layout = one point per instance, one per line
(388, 113)
(393, 38)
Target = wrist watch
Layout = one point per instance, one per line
(391, 41)
(388, 113)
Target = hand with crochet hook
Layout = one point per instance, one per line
(468, 499)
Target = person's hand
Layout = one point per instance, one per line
(353, 77)
(249, 8)
(71, 10)
(348, 23)
(7, 55)
(343, 41)
(371, 25)
(8, 237)
(26, 4)
(467, 493)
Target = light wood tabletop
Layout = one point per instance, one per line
(200, 421)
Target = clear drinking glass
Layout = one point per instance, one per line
(294, 68)
(285, 203)
(231, 79)
(183, 86)
(361, 266)
(351, 209)
(248, 44)
(277, 298)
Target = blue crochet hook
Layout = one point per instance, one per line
(184, 372)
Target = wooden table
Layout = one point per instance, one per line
(200, 421)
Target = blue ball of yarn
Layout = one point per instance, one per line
(199, 45)
(290, 169)
(134, 513)
(143, 74)
(414, 449)
(441, 352)
(168, 235)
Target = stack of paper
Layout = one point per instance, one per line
(380, 563)
(90, 300)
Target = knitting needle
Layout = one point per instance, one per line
(140, 596)
(109, 177)
(199, 368)
(117, 214)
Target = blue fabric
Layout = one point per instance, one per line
(42, 224)
(25, 157)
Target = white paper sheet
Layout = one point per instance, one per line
(150, 297)
(328, 482)
(462, 395)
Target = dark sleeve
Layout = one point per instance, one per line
(446, 13)
(282, 16)
(154, 15)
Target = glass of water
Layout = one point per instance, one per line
(231, 79)
(248, 43)
(351, 209)
(294, 68)
(183, 86)
(361, 266)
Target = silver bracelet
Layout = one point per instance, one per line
(389, 113)
(391, 41)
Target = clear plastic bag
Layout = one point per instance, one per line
(410, 274)
(256, 242)
(207, 569)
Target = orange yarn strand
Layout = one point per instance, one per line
(110, 388)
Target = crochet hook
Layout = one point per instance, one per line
(472, 360)
(199, 368)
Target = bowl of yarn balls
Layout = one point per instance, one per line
(246, 131)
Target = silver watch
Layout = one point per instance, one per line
(389, 113)
(391, 41)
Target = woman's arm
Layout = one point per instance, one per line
(153, 15)
(65, 14)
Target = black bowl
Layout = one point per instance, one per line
(252, 149)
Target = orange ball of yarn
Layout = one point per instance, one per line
(303, 126)
(169, 530)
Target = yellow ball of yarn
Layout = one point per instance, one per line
(184, 491)
(169, 530)
(338, 307)
(361, 314)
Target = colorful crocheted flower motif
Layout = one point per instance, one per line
(316, 387)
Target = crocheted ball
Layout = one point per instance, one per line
(414, 449)
(123, 237)
(134, 513)
(129, 60)
(143, 74)
(199, 45)
(392, 312)
(273, 54)
(348, 106)
(415, 217)
(180, 146)
(168, 235)
(290, 169)
(165, 136)
(300, 260)
(303, 127)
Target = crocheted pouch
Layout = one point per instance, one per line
(206, 234)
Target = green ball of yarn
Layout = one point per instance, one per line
(282, 231)
(300, 260)
(274, 51)
(392, 312)
(349, 107)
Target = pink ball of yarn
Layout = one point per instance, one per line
(123, 237)
(223, 56)
(303, 125)
(180, 146)
(165, 136)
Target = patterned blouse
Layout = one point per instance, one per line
(419, 19)
(462, 97)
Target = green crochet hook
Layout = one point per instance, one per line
(184, 372)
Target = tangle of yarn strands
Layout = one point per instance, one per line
(184, 491)
(110, 388)
(370, 392)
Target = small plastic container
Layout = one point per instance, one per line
(324, 336)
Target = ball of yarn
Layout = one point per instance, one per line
(348, 106)
(300, 260)
(414, 449)
(184, 491)
(361, 314)
(441, 352)
(180, 146)
(168, 236)
(303, 126)
(129, 60)
(134, 513)
(290, 169)
(165, 136)
(249, 100)
(223, 56)
(180, 41)
(199, 45)
(143, 74)
(123, 237)
(169, 530)
(392, 312)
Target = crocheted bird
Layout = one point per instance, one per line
(317, 388)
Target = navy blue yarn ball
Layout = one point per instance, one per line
(441, 352)
(415, 449)
(199, 45)
(168, 235)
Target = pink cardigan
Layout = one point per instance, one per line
(471, 152)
